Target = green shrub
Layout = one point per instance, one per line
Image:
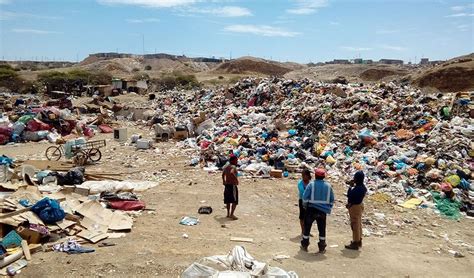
(56, 80)
(176, 80)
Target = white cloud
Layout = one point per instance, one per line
(393, 47)
(226, 11)
(462, 8)
(261, 30)
(149, 3)
(4, 2)
(305, 7)
(386, 32)
(458, 8)
(6, 15)
(351, 48)
(34, 31)
(459, 15)
(143, 20)
(464, 27)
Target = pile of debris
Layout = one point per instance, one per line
(410, 143)
(62, 208)
(57, 120)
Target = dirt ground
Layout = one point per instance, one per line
(407, 243)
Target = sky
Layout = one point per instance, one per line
(284, 30)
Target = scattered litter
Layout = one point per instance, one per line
(189, 221)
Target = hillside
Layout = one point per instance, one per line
(454, 75)
(353, 73)
(248, 65)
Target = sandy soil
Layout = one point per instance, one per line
(410, 243)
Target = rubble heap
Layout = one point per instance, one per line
(409, 142)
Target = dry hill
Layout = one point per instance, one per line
(454, 75)
(252, 65)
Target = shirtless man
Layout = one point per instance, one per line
(230, 181)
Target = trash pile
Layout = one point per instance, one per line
(53, 120)
(238, 263)
(409, 143)
(62, 208)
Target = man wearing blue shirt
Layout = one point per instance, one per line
(302, 184)
(318, 198)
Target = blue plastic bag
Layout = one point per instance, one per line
(48, 210)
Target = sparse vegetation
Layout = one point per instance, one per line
(72, 80)
(9, 78)
(135, 70)
(176, 80)
(141, 76)
(220, 77)
(147, 67)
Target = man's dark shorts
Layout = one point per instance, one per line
(231, 194)
(302, 209)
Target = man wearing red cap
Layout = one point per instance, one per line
(318, 198)
(230, 181)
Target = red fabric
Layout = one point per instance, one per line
(106, 129)
(205, 144)
(37, 125)
(7, 131)
(127, 205)
(88, 132)
(4, 139)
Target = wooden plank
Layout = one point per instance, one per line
(35, 248)
(10, 214)
(26, 250)
(241, 239)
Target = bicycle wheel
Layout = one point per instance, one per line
(94, 155)
(80, 158)
(53, 153)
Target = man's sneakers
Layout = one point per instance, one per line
(354, 245)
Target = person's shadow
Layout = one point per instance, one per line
(222, 219)
(309, 256)
(351, 254)
(296, 239)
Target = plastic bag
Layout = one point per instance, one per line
(48, 210)
(37, 125)
(5, 130)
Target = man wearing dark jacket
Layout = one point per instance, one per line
(355, 198)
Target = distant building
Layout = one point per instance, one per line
(391, 62)
(163, 56)
(340, 62)
(424, 61)
(368, 62)
(111, 55)
(358, 61)
(434, 63)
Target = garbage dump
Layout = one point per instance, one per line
(415, 148)
(409, 142)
